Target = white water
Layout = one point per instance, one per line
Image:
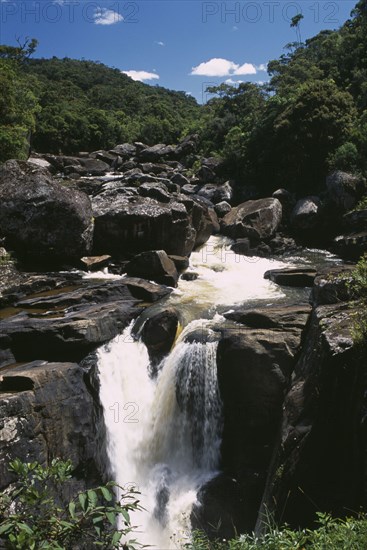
(163, 435)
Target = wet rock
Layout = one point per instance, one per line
(181, 262)
(355, 221)
(146, 290)
(159, 333)
(153, 265)
(241, 246)
(288, 202)
(189, 276)
(189, 189)
(68, 325)
(256, 220)
(296, 277)
(124, 150)
(41, 219)
(95, 263)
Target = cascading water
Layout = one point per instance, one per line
(164, 434)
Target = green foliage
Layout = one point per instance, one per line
(344, 158)
(358, 288)
(347, 534)
(32, 517)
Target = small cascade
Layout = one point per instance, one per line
(163, 435)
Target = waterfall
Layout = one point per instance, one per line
(163, 435)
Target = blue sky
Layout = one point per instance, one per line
(182, 45)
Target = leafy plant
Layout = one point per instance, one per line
(32, 515)
(358, 288)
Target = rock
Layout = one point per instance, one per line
(189, 189)
(210, 168)
(296, 277)
(156, 191)
(320, 455)
(256, 220)
(203, 219)
(222, 208)
(157, 152)
(42, 163)
(351, 246)
(180, 179)
(189, 276)
(306, 215)
(159, 333)
(89, 167)
(95, 263)
(41, 219)
(67, 325)
(146, 290)
(125, 150)
(241, 246)
(344, 190)
(187, 146)
(104, 156)
(46, 411)
(216, 193)
(133, 224)
(288, 202)
(255, 362)
(153, 265)
(222, 511)
(331, 285)
(355, 221)
(181, 262)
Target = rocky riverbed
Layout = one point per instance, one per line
(291, 379)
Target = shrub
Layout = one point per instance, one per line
(32, 517)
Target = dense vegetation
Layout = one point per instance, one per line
(32, 516)
(309, 118)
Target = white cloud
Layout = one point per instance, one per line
(246, 68)
(159, 42)
(232, 82)
(222, 67)
(141, 75)
(104, 16)
(262, 67)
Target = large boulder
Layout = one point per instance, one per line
(153, 265)
(126, 224)
(255, 361)
(257, 220)
(351, 246)
(157, 152)
(295, 277)
(47, 411)
(321, 452)
(306, 214)
(344, 190)
(40, 218)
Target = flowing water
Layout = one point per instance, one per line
(164, 433)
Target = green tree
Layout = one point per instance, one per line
(31, 516)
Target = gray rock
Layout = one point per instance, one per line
(295, 277)
(344, 189)
(216, 193)
(40, 218)
(257, 220)
(222, 208)
(307, 214)
(153, 265)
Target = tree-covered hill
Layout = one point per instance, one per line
(86, 106)
(311, 117)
